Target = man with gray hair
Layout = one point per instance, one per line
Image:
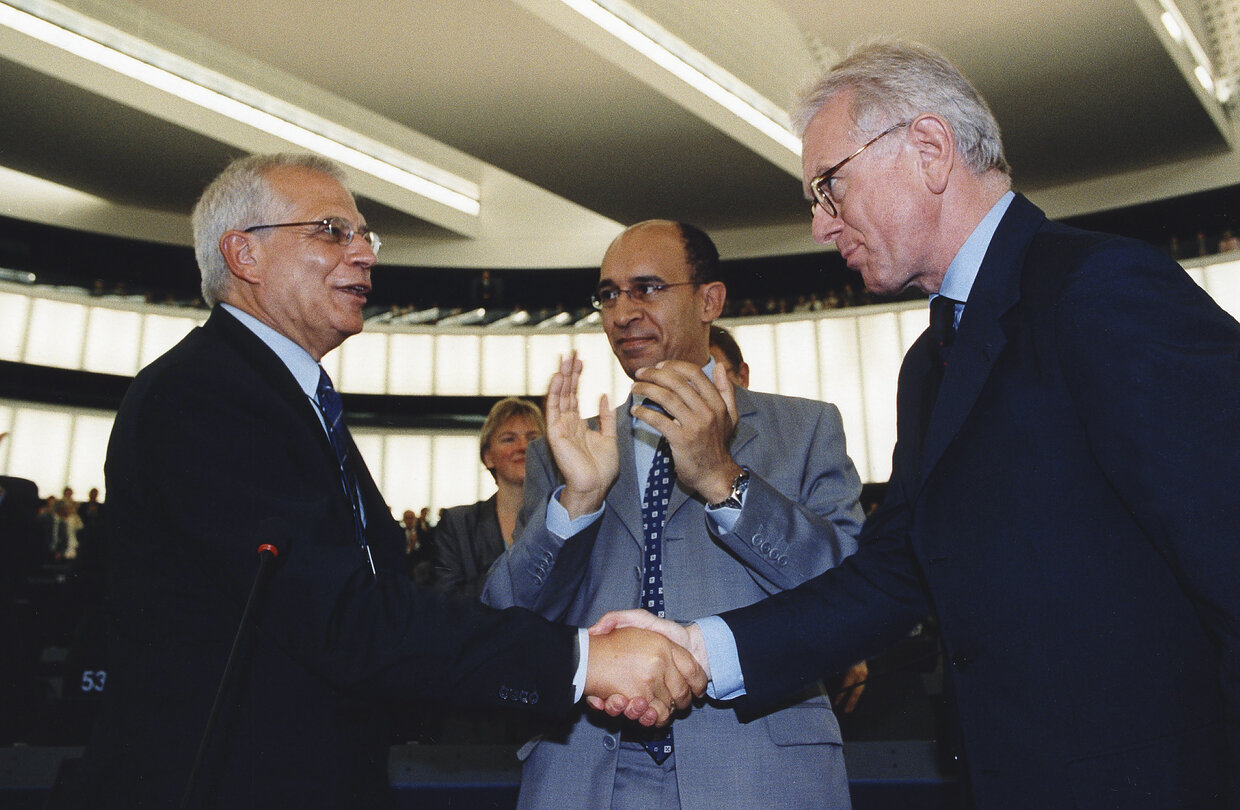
(1063, 492)
(234, 440)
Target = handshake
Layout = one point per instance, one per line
(644, 667)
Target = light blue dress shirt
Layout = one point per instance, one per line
(727, 680)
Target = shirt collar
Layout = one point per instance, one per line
(299, 362)
(962, 272)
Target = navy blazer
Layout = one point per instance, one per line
(215, 450)
(467, 540)
(1071, 518)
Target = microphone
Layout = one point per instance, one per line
(268, 553)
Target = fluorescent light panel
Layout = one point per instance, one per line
(1173, 20)
(464, 197)
(650, 40)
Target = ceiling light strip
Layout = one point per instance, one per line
(627, 32)
(207, 98)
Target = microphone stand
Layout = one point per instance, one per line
(267, 554)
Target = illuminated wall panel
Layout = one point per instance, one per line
(112, 340)
(456, 364)
(56, 333)
(411, 370)
(503, 365)
(363, 364)
(601, 374)
(14, 315)
(403, 479)
(87, 451)
(839, 373)
(1222, 281)
(879, 335)
(757, 342)
(39, 447)
(796, 359)
(454, 470)
(160, 333)
(543, 353)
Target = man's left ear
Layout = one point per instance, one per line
(936, 150)
(714, 293)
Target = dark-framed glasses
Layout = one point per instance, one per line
(821, 186)
(606, 297)
(338, 229)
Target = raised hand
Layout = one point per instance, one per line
(700, 421)
(588, 458)
(642, 674)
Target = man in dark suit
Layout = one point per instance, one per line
(232, 439)
(1063, 493)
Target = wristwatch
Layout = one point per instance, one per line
(734, 500)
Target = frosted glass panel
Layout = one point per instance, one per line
(454, 470)
(90, 446)
(600, 373)
(796, 359)
(363, 366)
(112, 337)
(412, 367)
(839, 371)
(57, 330)
(503, 365)
(1222, 281)
(371, 446)
(544, 355)
(160, 333)
(456, 364)
(879, 375)
(406, 480)
(757, 342)
(331, 363)
(14, 311)
(40, 447)
(6, 424)
(912, 323)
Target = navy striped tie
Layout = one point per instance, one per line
(333, 412)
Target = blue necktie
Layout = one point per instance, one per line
(333, 412)
(659, 485)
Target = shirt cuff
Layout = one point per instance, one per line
(723, 518)
(583, 657)
(726, 679)
(558, 522)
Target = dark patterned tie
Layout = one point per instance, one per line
(659, 485)
(333, 412)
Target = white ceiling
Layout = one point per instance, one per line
(569, 137)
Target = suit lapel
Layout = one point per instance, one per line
(981, 335)
(624, 499)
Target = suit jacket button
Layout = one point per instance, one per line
(533, 698)
(783, 560)
(609, 742)
(503, 693)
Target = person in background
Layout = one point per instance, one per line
(470, 538)
(727, 354)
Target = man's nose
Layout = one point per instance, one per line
(824, 227)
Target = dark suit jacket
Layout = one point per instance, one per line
(1071, 517)
(214, 451)
(467, 540)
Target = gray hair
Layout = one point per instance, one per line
(239, 198)
(894, 81)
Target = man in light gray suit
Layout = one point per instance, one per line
(759, 497)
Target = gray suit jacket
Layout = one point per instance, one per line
(801, 517)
